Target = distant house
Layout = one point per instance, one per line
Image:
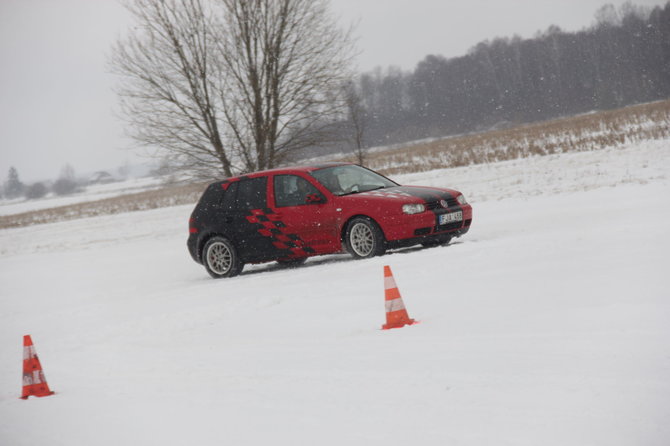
(101, 177)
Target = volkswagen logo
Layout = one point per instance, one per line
(444, 204)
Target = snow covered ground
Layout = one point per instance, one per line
(547, 324)
(90, 193)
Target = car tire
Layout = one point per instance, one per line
(220, 258)
(438, 241)
(364, 238)
(292, 263)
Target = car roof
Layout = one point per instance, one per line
(286, 170)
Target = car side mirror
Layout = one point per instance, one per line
(315, 199)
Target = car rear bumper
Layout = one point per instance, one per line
(192, 244)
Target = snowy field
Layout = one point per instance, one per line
(90, 193)
(547, 324)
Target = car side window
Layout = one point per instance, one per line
(246, 194)
(252, 194)
(292, 190)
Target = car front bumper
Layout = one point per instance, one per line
(419, 227)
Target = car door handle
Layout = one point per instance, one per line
(228, 220)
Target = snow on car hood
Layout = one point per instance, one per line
(403, 193)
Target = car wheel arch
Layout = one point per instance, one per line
(202, 241)
(345, 225)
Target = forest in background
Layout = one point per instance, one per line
(623, 59)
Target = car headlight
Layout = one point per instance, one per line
(461, 199)
(413, 208)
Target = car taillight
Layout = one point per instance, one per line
(191, 226)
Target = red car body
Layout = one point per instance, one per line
(290, 214)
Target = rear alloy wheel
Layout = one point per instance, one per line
(364, 239)
(220, 258)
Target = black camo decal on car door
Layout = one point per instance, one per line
(270, 225)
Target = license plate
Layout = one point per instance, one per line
(448, 218)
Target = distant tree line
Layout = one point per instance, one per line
(623, 58)
(66, 184)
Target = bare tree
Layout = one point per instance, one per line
(223, 86)
(36, 190)
(283, 64)
(356, 122)
(66, 182)
(14, 188)
(167, 95)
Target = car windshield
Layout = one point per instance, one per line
(350, 179)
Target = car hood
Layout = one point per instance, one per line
(409, 194)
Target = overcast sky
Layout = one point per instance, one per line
(56, 99)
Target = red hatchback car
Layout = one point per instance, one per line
(290, 214)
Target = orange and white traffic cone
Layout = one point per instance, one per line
(396, 314)
(34, 381)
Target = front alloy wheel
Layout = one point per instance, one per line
(221, 259)
(364, 239)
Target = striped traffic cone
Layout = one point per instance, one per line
(396, 314)
(34, 381)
